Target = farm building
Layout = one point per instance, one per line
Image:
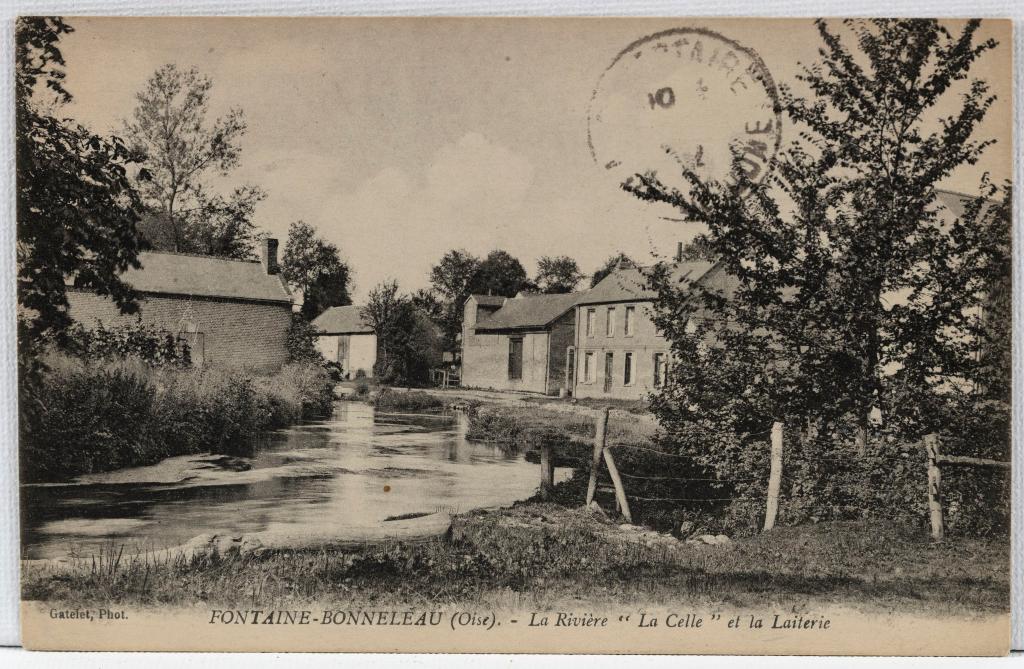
(618, 351)
(345, 338)
(231, 312)
(517, 343)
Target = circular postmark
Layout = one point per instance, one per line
(685, 100)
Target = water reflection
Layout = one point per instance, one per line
(340, 478)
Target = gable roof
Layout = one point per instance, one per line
(629, 284)
(342, 320)
(206, 276)
(529, 312)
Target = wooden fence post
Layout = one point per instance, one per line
(620, 490)
(774, 477)
(547, 469)
(931, 445)
(599, 440)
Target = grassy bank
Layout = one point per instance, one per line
(537, 555)
(84, 416)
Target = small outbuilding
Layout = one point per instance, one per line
(344, 337)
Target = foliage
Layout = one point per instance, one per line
(179, 149)
(451, 279)
(558, 274)
(698, 248)
(854, 317)
(84, 416)
(608, 267)
(301, 342)
(315, 267)
(427, 301)
(408, 343)
(412, 400)
(499, 273)
(137, 339)
(76, 208)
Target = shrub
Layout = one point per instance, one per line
(412, 400)
(84, 416)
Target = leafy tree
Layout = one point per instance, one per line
(608, 267)
(76, 208)
(451, 278)
(855, 296)
(499, 274)
(408, 343)
(427, 301)
(698, 248)
(559, 274)
(315, 267)
(301, 341)
(180, 149)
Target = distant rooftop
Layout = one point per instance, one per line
(527, 312)
(627, 284)
(342, 320)
(205, 276)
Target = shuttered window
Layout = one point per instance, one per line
(627, 369)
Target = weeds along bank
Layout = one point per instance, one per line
(82, 415)
(534, 556)
(689, 482)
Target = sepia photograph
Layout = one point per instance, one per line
(515, 335)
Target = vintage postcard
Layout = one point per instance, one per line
(656, 335)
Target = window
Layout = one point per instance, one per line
(588, 367)
(591, 317)
(627, 327)
(515, 358)
(609, 324)
(627, 369)
(659, 369)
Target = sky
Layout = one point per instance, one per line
(399, 139)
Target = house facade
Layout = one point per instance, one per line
(230, 312)
(617, 351)
(345, 338)
(517, 343)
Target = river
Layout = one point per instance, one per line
(357, 476)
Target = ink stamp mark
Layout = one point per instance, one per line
(685, 99)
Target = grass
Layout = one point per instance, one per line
(411, 401)
(537, 555)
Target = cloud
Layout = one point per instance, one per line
(396, 224)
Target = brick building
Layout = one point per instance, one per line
(231, 312)
(345, 338)
(517, 343)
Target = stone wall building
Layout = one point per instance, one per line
(345, 338)
(517, 343)
(230, 312)
(618, 352)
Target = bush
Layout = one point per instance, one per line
(84, 416)
(411, 400)
(135, 340)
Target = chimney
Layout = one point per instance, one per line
(679, 252)
(268, 255)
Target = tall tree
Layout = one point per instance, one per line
(500, 273)
(857, 294)
(315, 267)
(76, 208)
(608, 266)
(451, 279)
(559, 274)
(408, 346)
(180, 150)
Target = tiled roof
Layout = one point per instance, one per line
(629, 283)
(342, 320)
(528, 312)
(206, 276)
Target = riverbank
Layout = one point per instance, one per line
(84, 416)
(535, 555)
